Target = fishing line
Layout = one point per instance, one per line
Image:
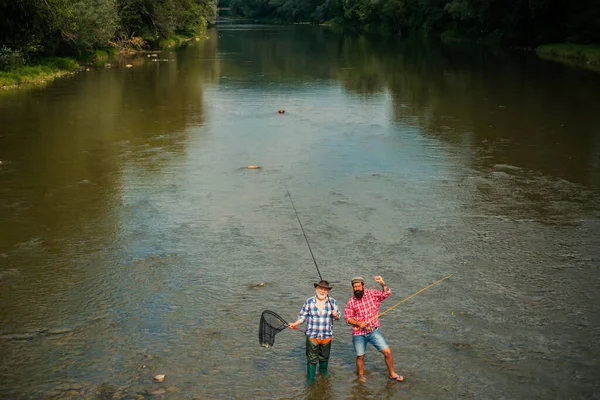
(409, 297)
(270, 323)
(308, 244)
(301, 227)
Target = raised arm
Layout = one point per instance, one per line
(385, 289)
(379, 280)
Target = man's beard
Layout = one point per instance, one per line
(321, 296)
(359, 294)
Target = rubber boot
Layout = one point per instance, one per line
(311, 371)
(323, 365)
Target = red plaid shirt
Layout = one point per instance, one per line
(364, 309)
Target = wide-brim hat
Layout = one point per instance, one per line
(323, 284)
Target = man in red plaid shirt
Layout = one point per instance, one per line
(361, 312)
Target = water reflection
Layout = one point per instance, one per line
(66, 150)
(505, 102)
(133, 235)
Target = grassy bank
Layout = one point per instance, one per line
(587, 54)
(47, 70)
(55, 67)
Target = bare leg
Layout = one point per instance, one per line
(360, 366)
(389, 362)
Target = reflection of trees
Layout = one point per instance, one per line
(363, 73)
(518, 110)
(513, 110)
(277, 53)
(297, 53)
(526, 124)
(63, 142)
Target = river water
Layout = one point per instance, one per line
(135, 241)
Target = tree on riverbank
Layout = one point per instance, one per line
(30, 29)
(523, 22)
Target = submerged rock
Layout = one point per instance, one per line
(256, 285)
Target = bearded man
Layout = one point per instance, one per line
(361, 312)
(318, 311)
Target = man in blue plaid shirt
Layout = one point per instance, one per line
(318, 311)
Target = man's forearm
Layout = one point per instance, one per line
(349, 317)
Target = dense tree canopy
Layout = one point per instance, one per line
(32, 27)
(528, 22)
(29, 28)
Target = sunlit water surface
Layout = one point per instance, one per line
(134, 240)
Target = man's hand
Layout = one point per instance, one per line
(362, 325)
(335, 314)
(379, 280)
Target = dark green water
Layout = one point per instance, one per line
(132, 235)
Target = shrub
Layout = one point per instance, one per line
(62, 63)
(10, 59)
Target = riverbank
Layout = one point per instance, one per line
(47, 70)
(579, 55)
(55, 67)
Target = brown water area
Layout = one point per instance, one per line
(135, 241)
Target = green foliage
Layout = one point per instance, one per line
(9, 78)
(329, 10)
(255, 8)
(393, 16)
(490, 21)
(31, 26)
(94, 23)
(99, 55)
(10, 59)
(48, 69)
(155, 19)
(357, 12)
(31, 29)
(586, 53)
(61, 63)
(55, 27)
(582, 24)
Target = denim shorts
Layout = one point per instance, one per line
(375, 338)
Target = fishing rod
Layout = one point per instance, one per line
(270, 323)
(308, 244)
(301, 227)
(409, 297)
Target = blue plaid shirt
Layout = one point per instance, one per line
(318, 325)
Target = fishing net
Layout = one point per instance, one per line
(270, 325)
